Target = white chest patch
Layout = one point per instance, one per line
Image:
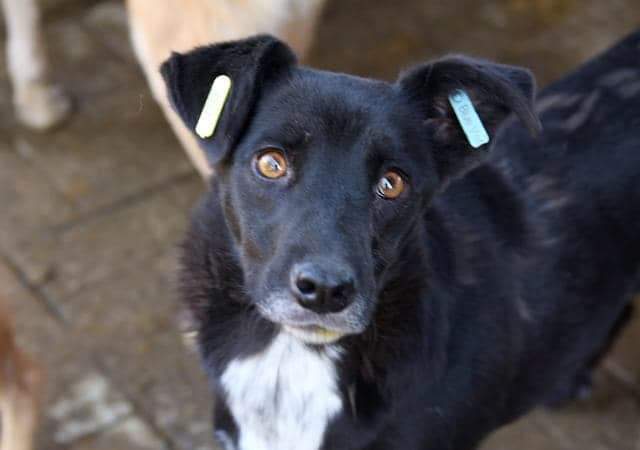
(284, 397)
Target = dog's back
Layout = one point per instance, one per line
(584, 171)
(589, 150)
(581, 182)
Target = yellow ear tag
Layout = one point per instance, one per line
(213, 106)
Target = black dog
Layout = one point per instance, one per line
(362, 278)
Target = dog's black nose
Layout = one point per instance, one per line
(322, 289)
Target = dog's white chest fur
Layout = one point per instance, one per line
(284, 397)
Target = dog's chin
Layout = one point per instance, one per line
(313, 334)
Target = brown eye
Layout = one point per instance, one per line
(272, 164)
(390, 186)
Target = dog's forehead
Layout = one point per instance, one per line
(332, 107)
(332, 99)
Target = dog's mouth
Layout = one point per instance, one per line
(313, 334)
(310, 327)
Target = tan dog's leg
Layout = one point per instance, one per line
(39, 104)
(20, 403)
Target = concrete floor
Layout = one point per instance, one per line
(91, 213)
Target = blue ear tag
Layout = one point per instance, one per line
(468, 118)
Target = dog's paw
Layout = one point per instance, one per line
(41, 105)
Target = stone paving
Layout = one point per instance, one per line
(90, 215)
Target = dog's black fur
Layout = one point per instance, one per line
(488, 287)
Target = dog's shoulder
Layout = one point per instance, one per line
(483, 211)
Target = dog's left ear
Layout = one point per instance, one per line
(495, 91)
(251, 64)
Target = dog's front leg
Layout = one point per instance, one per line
(39, 103)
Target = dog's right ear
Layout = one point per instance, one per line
(493, 91)
(251, 64)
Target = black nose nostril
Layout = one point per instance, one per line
(322, 290)
(343, 292)
(305, 286)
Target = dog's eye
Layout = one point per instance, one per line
(271, 164)
(390, 186)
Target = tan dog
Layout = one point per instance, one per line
(20, 385)
(158, 27)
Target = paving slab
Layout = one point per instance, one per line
(80, 403)
(67, 259)
(526, 434)
(130, 321)
(130, 434)
(30, 201)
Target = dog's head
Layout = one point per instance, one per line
(324, 176)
